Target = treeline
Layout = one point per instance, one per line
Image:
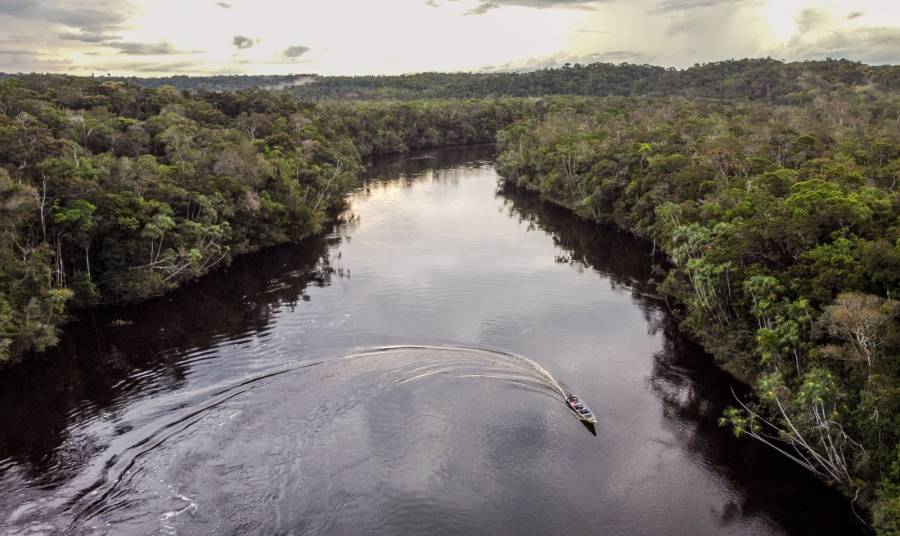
(219, 82)
(782, 227)
(396, 127)
(112, 193)
(231, 82)
(757, 79)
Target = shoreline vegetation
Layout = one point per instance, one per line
(781, 226)
(112, 194)
(771, 187)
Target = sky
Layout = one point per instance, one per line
(329, 37)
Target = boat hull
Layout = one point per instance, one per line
(587, 417)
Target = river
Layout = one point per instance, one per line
(396, 376)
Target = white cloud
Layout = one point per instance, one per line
(133, 36)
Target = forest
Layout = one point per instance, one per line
(770, 188)
(781, 230)
(763, 79)
(110, 193)
(758, 79)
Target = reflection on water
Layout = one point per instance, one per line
(692, 391)
(229, 406)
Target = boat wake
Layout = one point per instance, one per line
(140, 482)
(493, 356)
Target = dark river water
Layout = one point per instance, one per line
(397, 376)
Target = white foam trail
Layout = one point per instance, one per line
(536, 369)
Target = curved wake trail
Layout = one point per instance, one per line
(119, 468)
(533, 366)
(118, 471)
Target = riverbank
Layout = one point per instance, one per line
(221, 406)
(782, 237)
(125, 193)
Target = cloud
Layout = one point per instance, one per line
(488, 5)
(615, 56)
(560, 59)
(542, 4)
(696, 31)
(667, 32)
(20, 61)
(177, 67)
(482, 8)
(19, 52)
(88, 37)
(674, 6)
(144, 67)
(295, 51)
(826, 34)
(809, 20)
(90, 16)
(878, 45)
(243, 42)
(146, 49)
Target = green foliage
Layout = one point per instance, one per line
(113, 193)
(777, 208)
(392, 127)
(7, 329)
(887, 510)
(761, 79)
(781, 225)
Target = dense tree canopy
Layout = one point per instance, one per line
(757, 79)
(113, 193)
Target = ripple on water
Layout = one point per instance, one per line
(406, 439)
